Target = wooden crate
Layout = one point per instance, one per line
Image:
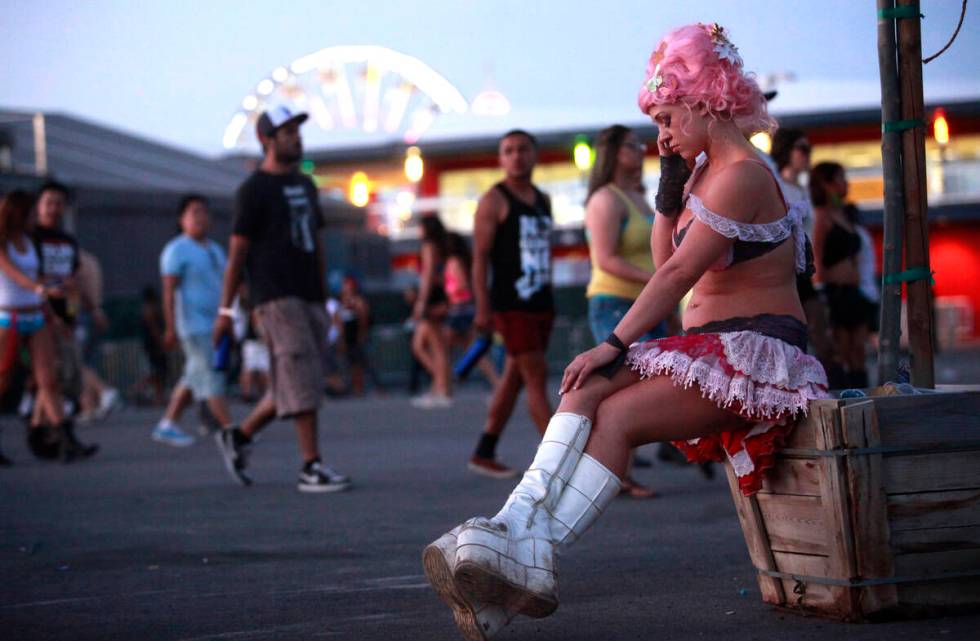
(872, 510)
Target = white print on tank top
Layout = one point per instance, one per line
(535, 247)
(300, 217)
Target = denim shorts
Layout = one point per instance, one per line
(605, 312)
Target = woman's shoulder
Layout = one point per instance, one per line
(606, 200)
(733, 192)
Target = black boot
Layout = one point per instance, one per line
(44, 445)
(4, 461)
(71, 447)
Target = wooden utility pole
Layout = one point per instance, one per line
(894, 210)
(919, 288)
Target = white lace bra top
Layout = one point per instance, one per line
(751, 239)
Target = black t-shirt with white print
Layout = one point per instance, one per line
(280, 216)
(57, 251)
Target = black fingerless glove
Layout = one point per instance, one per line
(674, 173)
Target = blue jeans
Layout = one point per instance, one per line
(605, 312)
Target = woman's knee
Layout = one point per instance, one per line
(584, 401)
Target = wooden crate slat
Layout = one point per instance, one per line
(932, 563)
(859, 427)
(836, 509)
(962, 593)
(936, 539)
(816, 596)
(914, 420)
(933, 472)
(800, 476)
(756, 540)
(922, 510)
(804, 435)
(795, 523)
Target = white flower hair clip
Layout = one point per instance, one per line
(655, 81)
(723, 46)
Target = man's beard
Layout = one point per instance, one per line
(289, 156)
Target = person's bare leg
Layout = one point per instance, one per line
(261, 415)
(179, 400)
(420, 348)
(92, 390)
(504, 398)
(635, 416)
(219, 408)
(439, 350)
(357, 379)
(534, 373)
(489, 371)
(49, 402)
(306, 436)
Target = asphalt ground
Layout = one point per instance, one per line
(150, 542)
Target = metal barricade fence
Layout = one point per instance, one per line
(123, 362)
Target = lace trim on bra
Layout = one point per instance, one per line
(772, 232)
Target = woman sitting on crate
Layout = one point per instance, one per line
(730, 386)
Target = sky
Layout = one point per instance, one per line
(177, 71)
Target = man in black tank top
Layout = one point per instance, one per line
(512, 249)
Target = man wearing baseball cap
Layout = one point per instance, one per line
(275, 243)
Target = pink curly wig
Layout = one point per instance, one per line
(696, 65)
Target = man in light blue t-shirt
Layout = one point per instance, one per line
(192, 266)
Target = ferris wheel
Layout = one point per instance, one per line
(370, 90)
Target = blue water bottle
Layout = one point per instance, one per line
(222, 354)
(477, 349)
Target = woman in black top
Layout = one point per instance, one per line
(429, 342)
(836, 245)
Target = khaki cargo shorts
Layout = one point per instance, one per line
(296, 332)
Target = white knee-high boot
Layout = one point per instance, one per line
(476, 621)
(510, 559)
(517, 541)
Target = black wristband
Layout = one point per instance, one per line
(609, 369)
(613, 340)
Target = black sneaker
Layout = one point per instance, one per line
(317, 477)
(71, 448)
(234, 446)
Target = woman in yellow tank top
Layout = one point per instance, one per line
(618, 224)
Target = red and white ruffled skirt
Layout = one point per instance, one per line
(762, 379)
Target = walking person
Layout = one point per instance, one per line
(512, 287)
(275, 245)
(429, 342)
(354, 315)
(837, 247)
(731, 386)
(191, 266)
(25, 320)
(619, 225)
(151, 337)
(459, 329)
(60, 261)
(98, 397)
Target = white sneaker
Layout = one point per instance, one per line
(171, 435)
(108, 401)
(430, 401)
